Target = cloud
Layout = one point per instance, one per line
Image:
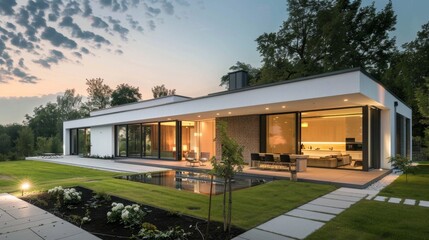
(19, 41)
(168, 7)
(54, 58)
(77, 54)
(134, 23)
(115, 5)
(98, 23)
(87, 10)
(183, 3)
(11, 26)
(39, 20)
(77, 31)
(151, 24)
(24, 77)
(57, 39)
(118, 28)
(21, 64)
(119, 51)
(84, 50)
(72, 8)
(6, 7)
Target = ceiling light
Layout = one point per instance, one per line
(168, 118)
(283, 106)
(199, 115)
(217, 114)
(229, 112)
(304, 124)
(346, 100)
(267, 108)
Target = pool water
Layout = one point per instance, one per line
(192, 181)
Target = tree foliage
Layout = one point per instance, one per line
(5, 143)
(25, 142)
(125, 93)
(253, 73)
(231, 163)
(98, 94)
(161, 91)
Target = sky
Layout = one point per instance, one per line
(47, 47)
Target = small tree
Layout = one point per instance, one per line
(231, 163)
(403, 164)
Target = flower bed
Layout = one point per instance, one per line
(110, 217)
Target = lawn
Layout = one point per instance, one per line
(377, 220)
(251, 206)
(382, 220)
(417, 186)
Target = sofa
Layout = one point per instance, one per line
(327, 159)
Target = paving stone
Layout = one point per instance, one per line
(343, 197)
(4, 217)
(26, 212)
(80, 236)
(322, 209)
(310, 215)
(15, 205)
(257, 234)
(394, 200)
(351, 192)
(369, 197)
(21, 224)
(410, 202)
(57, 230)
(291, 226)
(380, 198)
(331, 203)
(424, 203)
(26, 234)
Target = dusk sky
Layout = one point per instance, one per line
(47, 47)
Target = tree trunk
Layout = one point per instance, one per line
(224, 206)
(229, 208)
(210, 206)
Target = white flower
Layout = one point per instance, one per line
(109, 213)
(125, 214)
(136, 209)
(86, 219)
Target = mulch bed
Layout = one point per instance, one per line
(99, 226)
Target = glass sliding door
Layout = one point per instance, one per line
(134, 140)
(150, 140)
(168, 140)
(73, 142)
(281, 133)
(121, 141)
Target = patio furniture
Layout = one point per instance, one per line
(285, 160)
(191, 159)
(204, 157)
(255, 159)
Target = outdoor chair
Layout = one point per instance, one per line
(204, 157)
(285, 159)
(191, 159)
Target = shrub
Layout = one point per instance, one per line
(65, 196)
(130, 215)
(176, 233)
(403, 164)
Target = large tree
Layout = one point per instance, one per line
(46, 120)
(70, 105)
(322, 36)
(161, 91)
(125, 93)
(25, 142)
(98, 94)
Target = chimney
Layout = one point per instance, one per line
(238, 79)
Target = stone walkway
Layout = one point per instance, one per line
(406, 201)
(304, 220)
(20, 220)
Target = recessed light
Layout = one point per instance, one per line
(168, 118)
(346, 100)
(229, 112)
(267, 108)
(283, 106)
(199, 115)
(217, 114)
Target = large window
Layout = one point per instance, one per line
(80, 141)
(168, 140)
(151, 140)
(134, 140)
(281, 133)
(333, 132)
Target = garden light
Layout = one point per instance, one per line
(24, 186)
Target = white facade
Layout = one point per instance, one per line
(327, 91)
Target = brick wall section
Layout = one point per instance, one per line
(244, 130)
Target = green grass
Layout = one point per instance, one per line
(423, 162)
(377, 220)
(251, 206)
(417, 186)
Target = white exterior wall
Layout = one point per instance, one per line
(66, 141)
(377, 92)
(102, 141)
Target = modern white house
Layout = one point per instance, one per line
(344, 113)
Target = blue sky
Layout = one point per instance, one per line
(186, 45)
